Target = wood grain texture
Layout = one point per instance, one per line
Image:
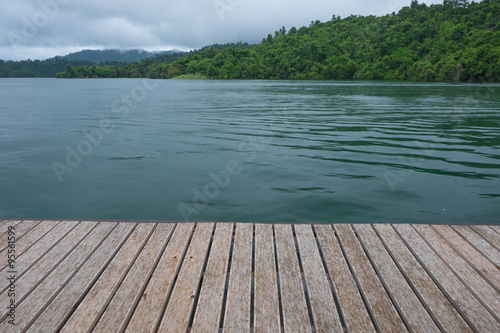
(44, 241)
(482, 241)
(209, 308)
(351, 303)
(441, 308)
(124, 301)
(490, 233)
(147, 315)
(39, 271)
(324, 311)
(266, 308)
(181, 303)
(400, 291)
(295, 313)
(78, 276)
(237, 312)
(20, 230)
(379, 303)
(47, 290)
(68, 299)
(473, 257)
(460, 296)
(479, 287)
(95, 302)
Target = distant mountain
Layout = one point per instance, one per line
(115, 56)
(51, 66)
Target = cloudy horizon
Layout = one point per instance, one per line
(41, 29)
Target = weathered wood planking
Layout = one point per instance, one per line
(37, 300)
(97, 299)
(442, 310)
(149, 311)
(324, 311)
(119, 310)
(209, 309)
(483, 291)
(473, 257)
(237, 313)
(379, 303)
(97, 276)
(483, 244)
(266, 308)
(181, 303)
(59, 310)
(294, 303)
(470, 308)
(355, 314)
(408, 303)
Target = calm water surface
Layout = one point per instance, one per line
(258, 151)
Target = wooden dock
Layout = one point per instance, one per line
(101, 276)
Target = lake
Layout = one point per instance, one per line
(250, 151)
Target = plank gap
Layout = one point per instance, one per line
(252, 283)
(360, 290)
(97, 276)
(384, 284)
(304, 285)
(280, 304)
(436, 281)
(145, 285)
(175, 278)
(226, 285)
(457, 275)
(330, 281)
(412, 286)
(197, 295)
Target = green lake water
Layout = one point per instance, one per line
(250, 151)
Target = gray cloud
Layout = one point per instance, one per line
(38, 29)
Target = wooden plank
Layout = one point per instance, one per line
(37, 234)
(480, 288)
(403, 296)
(442, 310)
(266, 302)
(237, 313)
(148, 313)
(16, 232)
(4, 225)
(351, 303)
(473, 257)
(383, 311)
(324, 311)
(119, 310)
(496, 228)
(38, 300)
(295, 313)
(181, 303)
(58, 311)
(480, 243)
(465, 302)
(38, 272)
(209, 308)
(20, 230)
(90, 309)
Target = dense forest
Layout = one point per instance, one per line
(52, 66)
(455, 41)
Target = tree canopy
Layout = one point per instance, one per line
(454, 41)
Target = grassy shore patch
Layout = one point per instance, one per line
(190, 77)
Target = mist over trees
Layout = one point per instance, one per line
(455, 41)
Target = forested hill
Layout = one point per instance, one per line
(50, 67)
(455, 41)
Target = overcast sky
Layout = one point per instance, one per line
(39, 29)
